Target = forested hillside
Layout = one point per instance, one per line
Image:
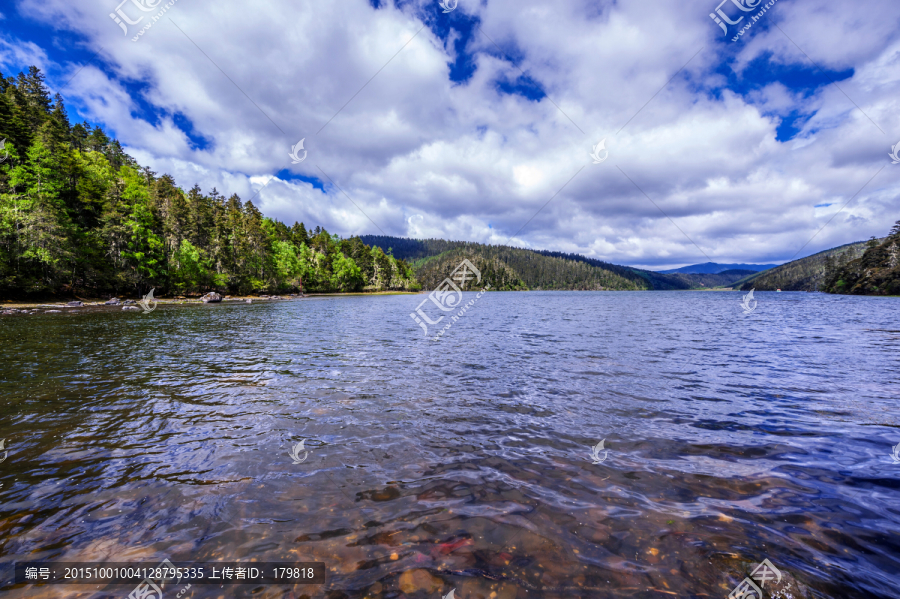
(712, 268)
(876, 272)
(78, 215)
(805, 274)
(411, 250)
(506, 268)
(542, 269)
(724, 278)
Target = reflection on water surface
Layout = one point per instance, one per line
(465, 463)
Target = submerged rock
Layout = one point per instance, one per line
(248, 300)
(128, 302)
(211, 298)
(52, 311)
(75, 304)
(113, 301)
(130, 308)
(412, 581)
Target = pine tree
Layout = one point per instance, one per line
(144, 252)
(298, 235)
(895, 230)
(76, 211)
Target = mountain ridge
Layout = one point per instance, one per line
(802, 274)
(716, 268)
(875, 272)
(511, 268)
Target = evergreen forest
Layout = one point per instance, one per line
(80, 216)
(875, 272)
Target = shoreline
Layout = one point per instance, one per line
(17, 305)
(60, 304)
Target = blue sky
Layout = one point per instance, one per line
(466, 124)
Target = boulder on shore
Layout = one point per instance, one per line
(128, 302)
(211, 298)
(75, 304)
(130, 308)
(113, 301)
(248, 300)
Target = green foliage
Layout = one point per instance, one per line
(78, 214)
(805, 274)
(346, 275)
(188, 268)
(875, 272)
(144, 248)
(536, 269)
(506, 268)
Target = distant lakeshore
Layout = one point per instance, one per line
(60, 304)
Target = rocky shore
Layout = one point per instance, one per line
(11, 307)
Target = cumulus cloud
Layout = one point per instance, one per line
(693, 122)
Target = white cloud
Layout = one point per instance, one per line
(426, 157)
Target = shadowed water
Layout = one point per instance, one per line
(465, 462)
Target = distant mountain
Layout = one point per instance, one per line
(726, 278)
(842, 269)
(714, 268)
(510, 268)
(805, 274)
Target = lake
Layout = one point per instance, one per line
(464, 463)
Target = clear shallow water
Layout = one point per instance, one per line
(731, 438)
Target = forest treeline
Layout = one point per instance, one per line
(875, 272)
(803, 274)
(701, 280)
(78, 215)
(539, 269)
(413, 250)
(507, 268)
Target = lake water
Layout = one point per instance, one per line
(463, 463)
